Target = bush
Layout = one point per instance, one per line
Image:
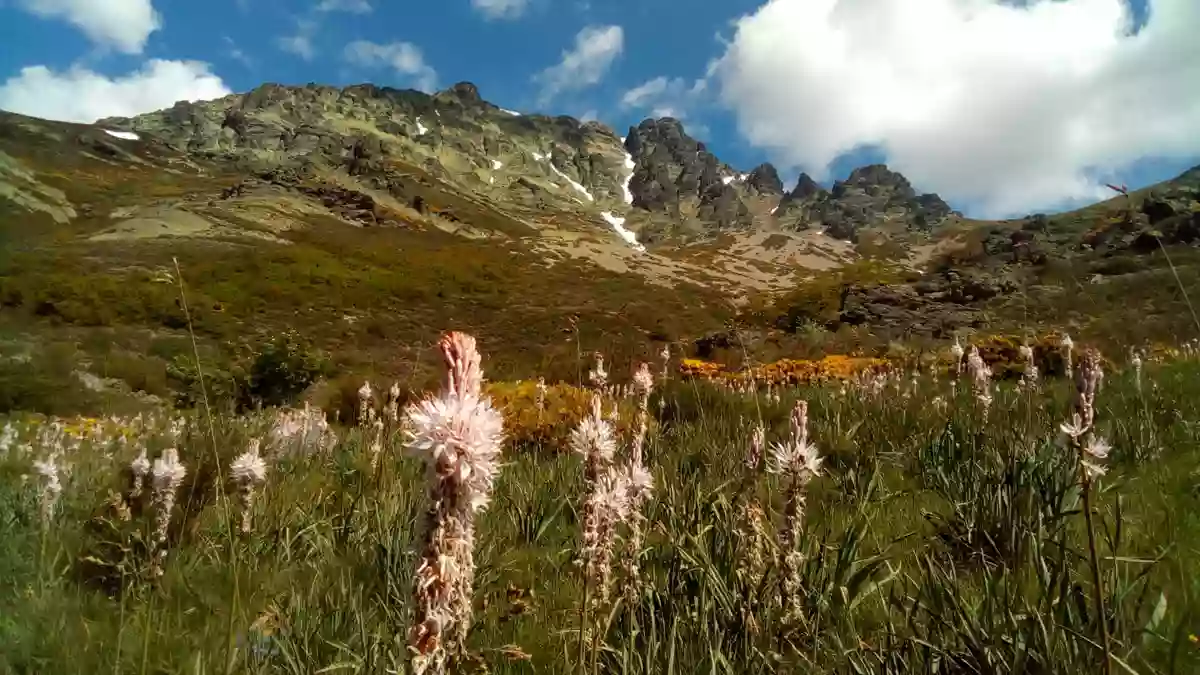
(281, 370)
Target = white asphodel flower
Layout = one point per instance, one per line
(460, 439)
(1095, 451)
(594, 435)
(795, 457)
(1074, 428)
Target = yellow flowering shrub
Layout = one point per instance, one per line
(834, 367)
(551, 426)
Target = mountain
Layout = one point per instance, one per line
(872, 197)
(370, 218)
(656, 179)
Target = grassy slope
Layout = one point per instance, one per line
(924, 540)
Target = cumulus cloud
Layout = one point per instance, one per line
(351, 6)
(1005, 107)
(300, 43)
(665, 97)
(669, 97)
(500, 9)
(585, 64)
(124, 25)
(81, 95)
(403, 57)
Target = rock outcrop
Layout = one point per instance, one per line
(872, 196)
(677, 175)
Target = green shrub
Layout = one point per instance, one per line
(282, 369)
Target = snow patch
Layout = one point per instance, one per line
(510, 112)
(496, 164)
(575, 185)
(492, 180)
(618, 225)
(421, 128)
(539, 156)
(123, 135)
(774, 209)
(727, 180)
(742, 176)
(629, 164)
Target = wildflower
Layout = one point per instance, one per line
(607, 505)
(1079, 429)
(1136, 362)
(597, 376)
(140, 467)
(981, 379)
(51, 489)
(754, 453)
(1091, 452)
(607, 502)
(594, 440)
(1094, 452)
(376, 445)
(458, 433)
(1029, 379)
(8, 438)
(665, 356)
(365, 408)
(541, 394)
(797, 461)
(248, 471)
(393, 403)
(166, 476)
(957, 352)
(643, 383)
(1067, 345)
(639, 486)
(753, 541)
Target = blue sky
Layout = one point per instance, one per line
(1023, 106)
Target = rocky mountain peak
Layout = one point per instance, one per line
(871, 196)
(676, 174)
(805, 187)
(878, 175)
(765, 179)
(466, 92)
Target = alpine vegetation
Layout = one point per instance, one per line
(654, 519)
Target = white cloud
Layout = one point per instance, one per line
(1006, 107)
(595, 50)
(124, 25)
(80, 95)
(668, 97)
(235, 52)
(300, 43)
(351, 6)
(500, 9)
(403, 57)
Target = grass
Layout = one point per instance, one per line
(933, 542)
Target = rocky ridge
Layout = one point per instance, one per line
(656, 180)
(872, 196)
